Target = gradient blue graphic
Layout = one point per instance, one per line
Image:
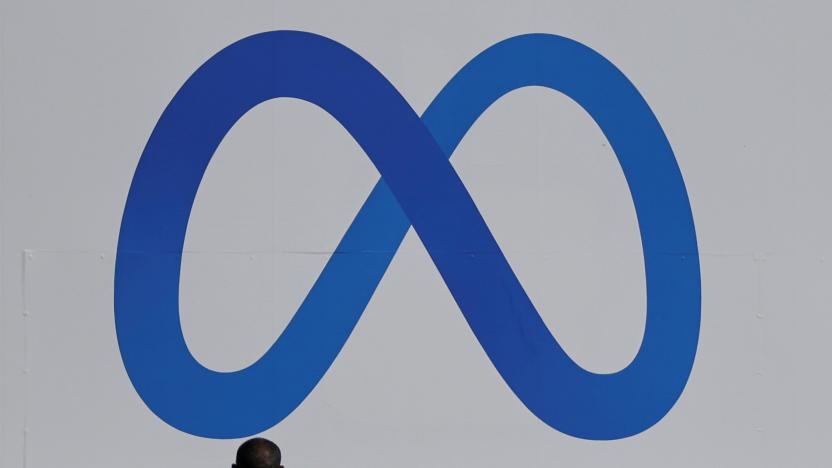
(418, 187)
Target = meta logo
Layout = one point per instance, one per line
(420, 188)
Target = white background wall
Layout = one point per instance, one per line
(741, 89)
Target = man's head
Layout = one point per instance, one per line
(258, 453)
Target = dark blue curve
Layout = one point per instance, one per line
(419, 186)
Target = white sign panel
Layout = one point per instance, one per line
(624, 262)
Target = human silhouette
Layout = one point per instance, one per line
(258, 453)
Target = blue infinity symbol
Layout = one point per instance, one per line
(418, 187)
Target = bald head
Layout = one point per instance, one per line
(258, 453)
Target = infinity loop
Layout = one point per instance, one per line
(419, 187)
